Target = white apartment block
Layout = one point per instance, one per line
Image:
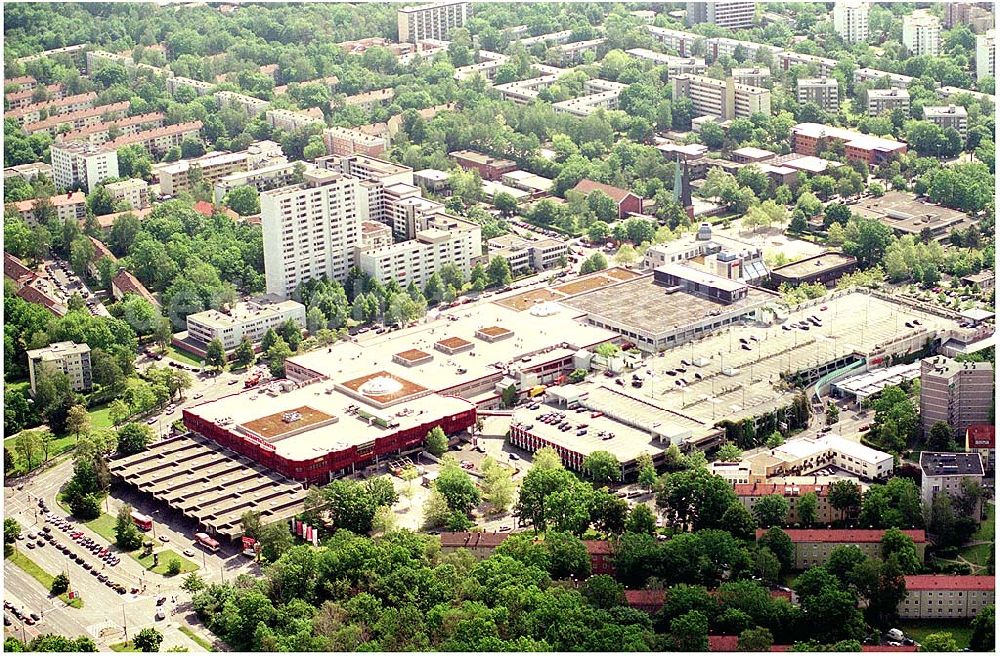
(445, 240)
(678, 41)
(67, 357)
(825, 92)
(32, 112)
(922, 33)
(875, 75)
(98, 59)
(824, 65)
(734, 14)
(133, 191)
(986, 55)
(244, 319)
(948, 116)
(432, 21)
(310, 230)
(943, 472)
(289, 120)
(252, 106)
(78, 164)
(887, 100)
(486, 65)
(374, 235)
(348, 141)
(158, 140)
(850, 20)
(199, 87)
(722, 98)
(69, 207)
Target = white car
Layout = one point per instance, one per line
(160, 614)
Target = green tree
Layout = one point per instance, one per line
(193, 583)
(275, 539)
(780, 544)
(215, 355)
(497, 485)
(689, 632)
(646, 472)
(844, 495)
(133, 438)
(941, 438)
(118, 412)
(457, 487)
(127, 536)
(807, 507)
(729, 453)
(78, 421)
(939, 642)
(568, 556)
(60, 584)
(602, 467)
(276, 356)
(243, 200)
(757, 639)
(499, 272)
(173, 567)
(640, 520)
(148, 640)
(243, 355)
(437, 441)
(603, 592)
(739, 521)
(984, 630)
(596, 262)
(11, 530)
(771, 510)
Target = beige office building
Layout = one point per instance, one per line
(133, 191)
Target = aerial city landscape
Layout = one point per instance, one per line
(499, 327)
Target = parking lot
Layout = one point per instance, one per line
(59, 281)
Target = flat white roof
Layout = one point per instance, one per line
(806, 447)
(532, 334)
(349, 430)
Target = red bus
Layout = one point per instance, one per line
(143, 522)
(207, 541)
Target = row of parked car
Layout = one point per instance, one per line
(104, 553)
(28, 618)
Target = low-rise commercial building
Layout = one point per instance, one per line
(528, 182)
(946, 596)
(433, 180)
(811, 138)
(813, 546)
(489, 167)
(944, 472)
(524, 254)
(70, 358)
(244, 319)
(825, 268)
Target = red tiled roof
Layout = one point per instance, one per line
(645, 598)
(128, 283)
(761, 489)
(598, 547)
(34, 295)
(981, 436)
(16, 270)
(101, 250)
(472, 539)
(138, 119)
(75, 198)
(730, 643)
(205, 208)
(845, 535)
(950, 583)
(617, 194)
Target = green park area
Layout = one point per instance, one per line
(960, 630)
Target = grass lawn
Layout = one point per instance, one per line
(58, 447)
(22, 561)
(105, 526)
(165, 557)
(987, 529)
(185, 357)
(204, 643)
(100, 417)
(980, 554)
(125, 646)
(961, 631)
